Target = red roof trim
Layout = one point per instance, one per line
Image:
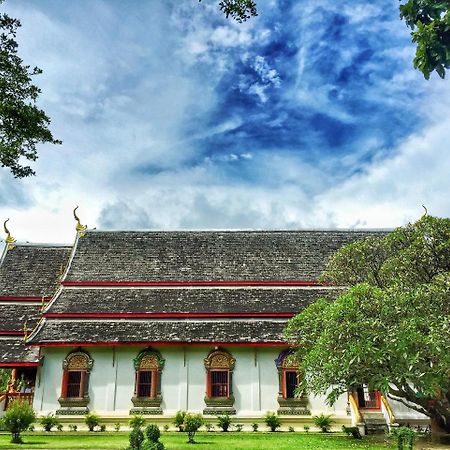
(11, 333)
(190, 283)
(19, 364)
(162, 315)
(156, 343)
(10, 298)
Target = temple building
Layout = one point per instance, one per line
(153, 322)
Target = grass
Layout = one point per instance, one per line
(204, 441)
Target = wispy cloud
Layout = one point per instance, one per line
(309, 115)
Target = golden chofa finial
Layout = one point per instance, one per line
(8, 239)
(81, 229)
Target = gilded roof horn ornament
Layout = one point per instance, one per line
(8, 239)
(425, 214)
(81, 229)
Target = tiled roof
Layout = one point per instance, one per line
(148, 331)
(186, 300)
(206, 255)
(13, 350)
(14, 315)
(32, 270)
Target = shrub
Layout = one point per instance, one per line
(136, 438)
(255, 426)
(179, 419)
(405, 438)
(31, 428)
(224, 422)
(166, 428)
(272, 421)
(209, 427)
(59, 426)
(137, 421)
(49, 421)
(192, 422)
(117, 426)
(73, 427)
(102, 427)
(152, 432)
(291, 429)
(239, 427)
(323, 422)
(18, 417)
(306, 428)
(91, 420)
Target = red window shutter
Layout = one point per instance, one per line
(65, 379)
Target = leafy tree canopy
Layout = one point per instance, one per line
(391, 328)
(239, 10)
(22, 124)
(430, 24)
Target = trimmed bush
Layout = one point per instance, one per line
(291, 429)
(91, 420)
(405, 438)
(152, 432)
(179, 419)
(136, 438)
(191, 424)
(323, 422)
(224, 422)
(255, 426)
(239, 427)
(137, 421)
(117, 426)
(73, 427)
(272, 421)
(306, 428)
(49, 421)
(18, 417)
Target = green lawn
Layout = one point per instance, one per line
(205, 441)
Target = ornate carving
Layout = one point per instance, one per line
(219, 359)
(78, 360)
(285, 360)
(149, 359)
(9, 240)
(81, 229)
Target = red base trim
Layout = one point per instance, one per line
(162, 315)
(6, 298)
(23, 364)
(191, 283)
(155, 343)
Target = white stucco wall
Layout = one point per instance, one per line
(111, 384)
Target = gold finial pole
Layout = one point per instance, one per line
(25, 330)
(81, 229)
(9, 239)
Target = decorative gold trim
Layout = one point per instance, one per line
(8, 239)
(25, 330)
(388, 409)
(81, 229)
(219, 359)
(355, 408)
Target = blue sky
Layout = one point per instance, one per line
(172, 117)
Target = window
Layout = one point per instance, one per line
(288, 380)
(219, 383)
(75, 382)
(219, 398)
(291, 383)
(147, 396)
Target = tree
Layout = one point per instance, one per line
(192, 422)
(239, 10)
(22, 124)
(18, 417)
(429, 21)
(391, 328)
